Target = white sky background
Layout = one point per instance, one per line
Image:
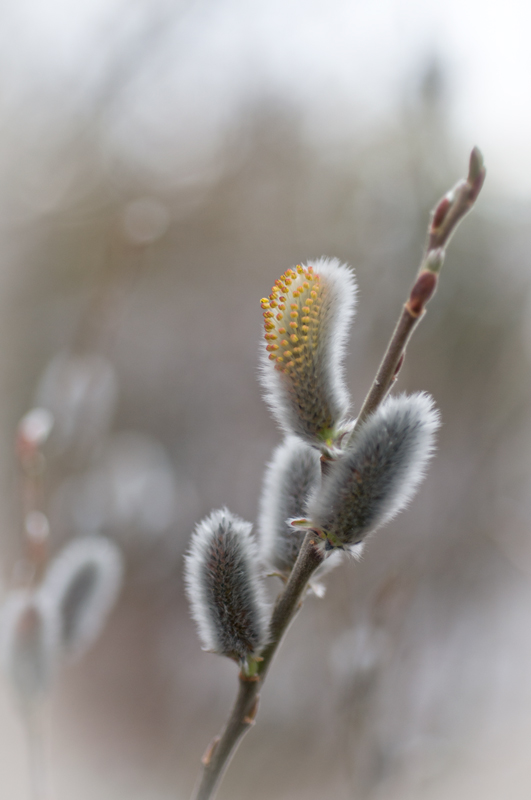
(345, 61)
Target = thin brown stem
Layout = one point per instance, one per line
(448, 213)
(222, 748)
(388, 368)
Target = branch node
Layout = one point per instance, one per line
(209, 752)
(250, 719)
(249, 678)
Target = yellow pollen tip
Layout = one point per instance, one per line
(282, 330)
(272, 347)
(294, 337)
(294, 305)
(288, 353)
(281, 306)
(305, 319)
(290, 364)
(269, 326)
(299, 269)
(272, 356)
(305, 328)
(306, 285)
(284, 342)
(294, 314)
(293, 325)
(279, 317)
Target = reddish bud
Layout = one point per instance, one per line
(399, 366)
(32, 432)
(440, 212)
(422, 291)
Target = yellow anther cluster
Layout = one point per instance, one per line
(293, 308)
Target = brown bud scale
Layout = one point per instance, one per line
(422, 291)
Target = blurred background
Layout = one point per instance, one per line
(161, 163)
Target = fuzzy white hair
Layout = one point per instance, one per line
(293, 473)
(29, 643)
(310, 399)
(225, 588)
(83, 582)
(380, 473)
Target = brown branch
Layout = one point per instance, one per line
(222, 748)
(445, 218)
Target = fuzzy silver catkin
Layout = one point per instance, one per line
(293, 473)
(29, 643)
(306, 320)
(225, 587)
(83, 582)
(378, 476)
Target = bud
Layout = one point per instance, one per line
(33, 430)
(224, 586)
(476, 173)
(29, 646)
(422, 291)
(306, 320)
(294, 472)
(378, 474)
(83, 583)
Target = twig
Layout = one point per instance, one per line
(448, 213)
(220, 751)
(445, 218)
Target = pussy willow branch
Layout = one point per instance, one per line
(220, 751)
(446, 216)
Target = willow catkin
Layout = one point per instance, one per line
(306, 321)
(379, 474)
(84, 581)
(224, 586)
(293, 473)
(29, 643)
